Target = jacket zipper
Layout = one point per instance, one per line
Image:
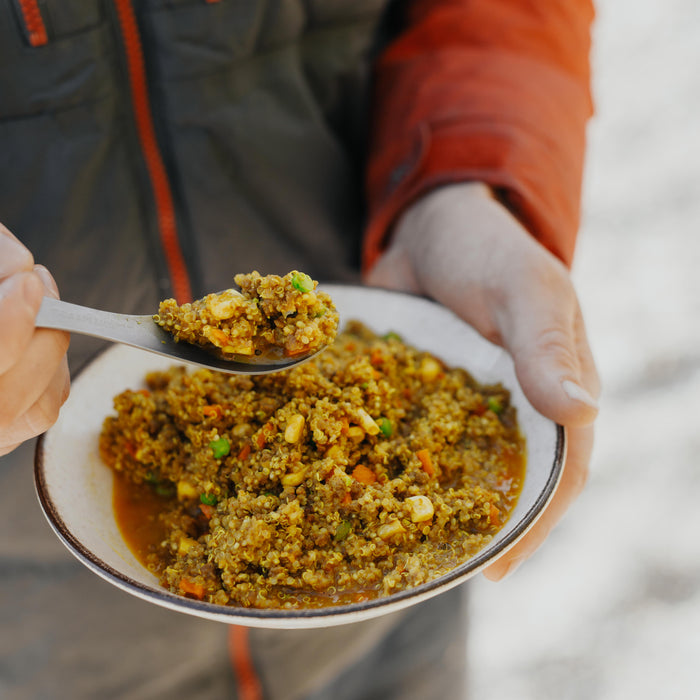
(162, 193)
(249, 686)
(248, 682)
(33, 22)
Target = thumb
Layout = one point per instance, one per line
(553, 360)
(14, 257)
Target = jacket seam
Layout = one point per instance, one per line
(297, 44)
(50, 111)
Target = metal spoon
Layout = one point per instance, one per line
(143, 332)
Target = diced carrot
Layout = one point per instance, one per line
(213, 411)
(426, 462)
(144, 392)
(376, 357)
(196, 590)
(130, 448)
(494, 516)
(294, 349)
(245, 451)
(347, 498)
(364, 475)
(207, 511)
(263, 435)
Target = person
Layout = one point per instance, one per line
(156, 148)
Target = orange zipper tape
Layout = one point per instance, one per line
(34, 22)
(248, 683)
(165, 208)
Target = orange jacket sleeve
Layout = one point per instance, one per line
(490, 90)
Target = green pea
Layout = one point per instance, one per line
(165, 489)
(220, 447)
(342, 531)
(385, 426)
(302, 282)
(494, 404)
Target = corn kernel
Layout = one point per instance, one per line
(367, 422)
(293, 478)
(334, 453)
(355, 433)
(185, 490)
(429, 369)
(294, 427)
(185, 544)
(420, 508)
(390, 529)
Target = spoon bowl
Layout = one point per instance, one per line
(144, 333)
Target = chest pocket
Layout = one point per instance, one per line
(45, 21)
(54, 55)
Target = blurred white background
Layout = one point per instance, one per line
(609, 609)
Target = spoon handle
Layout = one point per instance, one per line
(122, 328)
(142, 332)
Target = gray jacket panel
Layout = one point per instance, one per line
(259, 110)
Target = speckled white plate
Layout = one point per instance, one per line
(75, 488)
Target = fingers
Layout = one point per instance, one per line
(544, 332)
(20, 298)
(14, 257)
(34, 377)
(21, 292)
(573, 480)
(41, 415)
(461, 247)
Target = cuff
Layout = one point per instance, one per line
(488, 153)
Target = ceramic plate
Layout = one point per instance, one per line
(75, 488)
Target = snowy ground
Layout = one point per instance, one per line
(609, 609)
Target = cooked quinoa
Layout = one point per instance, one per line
(370, 469)
(269, 315)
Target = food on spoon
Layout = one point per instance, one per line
(368, 470)
(269, 316)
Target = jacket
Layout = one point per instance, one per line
(167, 144)
(490, 90)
